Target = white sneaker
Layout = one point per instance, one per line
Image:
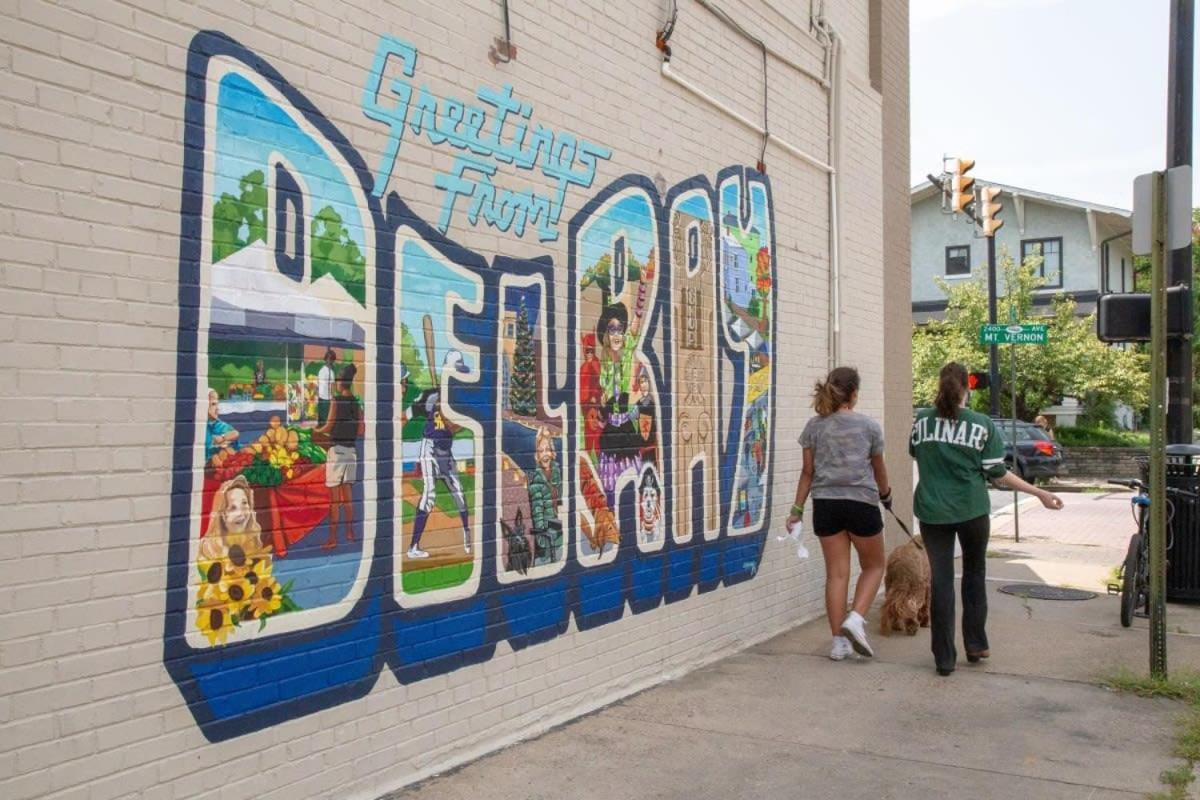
(466, 545)
(842, 649)
(854, 629)
(413, 552)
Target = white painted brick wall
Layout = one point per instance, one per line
(91, 155)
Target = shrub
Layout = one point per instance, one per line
(1100, 437)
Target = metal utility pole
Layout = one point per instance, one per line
(1158, 428)
(1179, 153)
(993, 355)
(1012, 351)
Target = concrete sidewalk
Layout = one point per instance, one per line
(783, 721)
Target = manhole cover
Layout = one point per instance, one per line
(1040, 591)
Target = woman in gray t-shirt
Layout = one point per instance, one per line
(844, 473)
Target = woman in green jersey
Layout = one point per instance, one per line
(958, 451)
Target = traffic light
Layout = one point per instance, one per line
(988, 210)
(962, 185)
(978, 380)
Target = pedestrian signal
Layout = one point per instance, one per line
(978, 380)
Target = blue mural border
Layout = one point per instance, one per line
(252, 685)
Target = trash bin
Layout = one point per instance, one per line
(1183, 559)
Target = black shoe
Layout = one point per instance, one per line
(974, 658)
(944, 671)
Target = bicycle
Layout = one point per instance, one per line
(1134, 586)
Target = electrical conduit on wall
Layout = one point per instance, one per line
(831, 83)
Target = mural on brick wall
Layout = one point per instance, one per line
(392, 452)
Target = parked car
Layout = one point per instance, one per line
(1037, 455)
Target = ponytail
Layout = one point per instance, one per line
(952, 386)
(835, 391)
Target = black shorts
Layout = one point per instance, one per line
(834, 516)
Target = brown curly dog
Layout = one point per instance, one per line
(906, 601)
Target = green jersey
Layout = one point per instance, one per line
(955, 458)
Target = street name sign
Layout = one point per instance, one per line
(1013, 334)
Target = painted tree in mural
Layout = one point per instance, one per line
(238, 221)
(600, 275)
(410, 356)
(523, 385)
(334, 253)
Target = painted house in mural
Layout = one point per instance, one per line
(1085, 247)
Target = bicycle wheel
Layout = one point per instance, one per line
(1129, 580)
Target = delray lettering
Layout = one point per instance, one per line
(495, 492)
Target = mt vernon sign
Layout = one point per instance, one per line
(1012, 334)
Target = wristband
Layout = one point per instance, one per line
(886, 495)
(798, 511)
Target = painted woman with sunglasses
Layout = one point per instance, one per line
(617, 337)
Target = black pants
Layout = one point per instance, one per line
(939, 544)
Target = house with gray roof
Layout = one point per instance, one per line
(1085, 246)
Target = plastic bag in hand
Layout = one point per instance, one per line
(794, 536)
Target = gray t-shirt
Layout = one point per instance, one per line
(843, 444)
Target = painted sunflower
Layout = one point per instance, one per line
(211, 571)
(267, 598)
(259, 569)
(241, 549)
(214, 621)
(208, 594)
(236, 591)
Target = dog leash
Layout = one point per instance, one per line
(904, 528)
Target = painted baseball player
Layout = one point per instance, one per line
(437, 462)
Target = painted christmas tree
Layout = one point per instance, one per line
(522, 386)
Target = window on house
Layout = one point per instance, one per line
(1051, 252)
(958, 260)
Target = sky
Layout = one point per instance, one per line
(1071, 101)
(250, 127)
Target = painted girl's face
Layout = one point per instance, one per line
(237, 511)
(644, 385)
(212, 405)
(545, 454)
(615, 335)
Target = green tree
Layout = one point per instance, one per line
(522, 385)
(336, 254)
(1074, 362)
(240, 220)
(232, 215)
(600, 275)
(419, 378)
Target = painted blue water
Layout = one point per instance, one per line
(321, 580)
